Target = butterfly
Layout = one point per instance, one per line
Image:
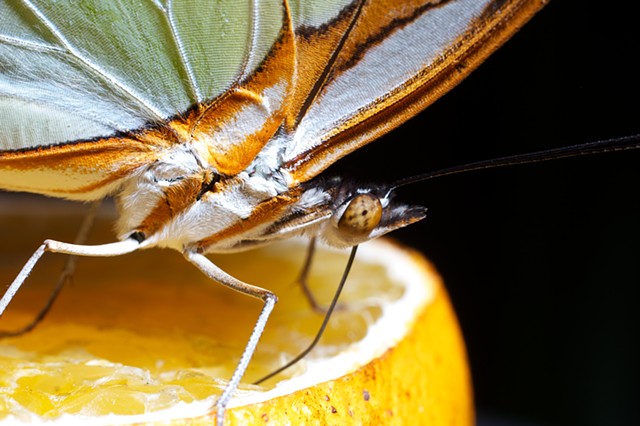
(211, 123)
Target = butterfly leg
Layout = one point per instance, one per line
(325, 321)
(269, 299)
(304, 275)
(302, 280)
(111, 249)
(65, 276)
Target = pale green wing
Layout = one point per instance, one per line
(82, 70)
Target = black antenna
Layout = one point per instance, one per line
(609, 145)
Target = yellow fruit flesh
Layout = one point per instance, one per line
(146, 331)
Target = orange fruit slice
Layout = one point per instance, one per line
(146, 338)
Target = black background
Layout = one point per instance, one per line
(541, 260)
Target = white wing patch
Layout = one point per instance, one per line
(32, 122)
(317, 13)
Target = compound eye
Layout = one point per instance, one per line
(361, 215)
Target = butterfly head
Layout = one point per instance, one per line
(363, 212)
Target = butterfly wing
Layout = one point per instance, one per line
(393, 62)
(86, 88)
(91, 92)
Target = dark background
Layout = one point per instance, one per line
(541, 261)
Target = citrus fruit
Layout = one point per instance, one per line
(147, 339)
